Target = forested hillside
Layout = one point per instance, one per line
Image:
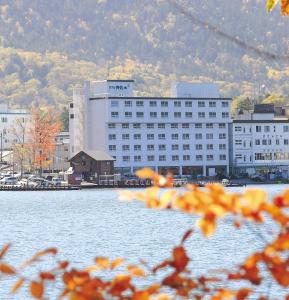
(49, 46)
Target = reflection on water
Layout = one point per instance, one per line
(85, 224)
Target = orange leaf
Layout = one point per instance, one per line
(243, 294)
(47, 276)
(180, 259)
(285, 7)
(17, 285)
(102, 262)
(141, 295)
(115, 263)
(36, 289)
(135, 271)
(4, 250)
(6, 269)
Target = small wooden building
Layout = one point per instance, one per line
(90, 166)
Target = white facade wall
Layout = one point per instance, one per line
(188, 135)
(261, 144)
(11, 123)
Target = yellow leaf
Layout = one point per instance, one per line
(146, 173)
(135, 271)
(271, 4)
(17, 285)
(208, 227)
(102, 262)
(115, 263)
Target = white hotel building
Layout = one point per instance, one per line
(261, 141)
(187, 133)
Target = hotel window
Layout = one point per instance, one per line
(277, 142)
(199, 147)
(175, 136)
(223, 157)
(114, 103)
(209, 136)
(164, 103)
(198, 136)
(125, 136)
(150, 136)
(210, 157)
(185, 125)
(201, 115)
(269, 142)
(238, 156)
(161, 136)
(201, 103)
(267, 129)
(150, 147)
(112, 137)
(225, 104)
(128, 114)
(188, 104)
(139, 114)
(161, 125)
(150, 126)
(153, 103)
(238, 129)
(212, 114)
(151, 158)
(127, 103)
(257, 142)
(137, 147)
(126, 158)
(209, 125)
(164, 114)
(175, 147)
(112, 147)
(186, 136)
(137, 158)
(137, 136)
(225, 115)
(210, 147)
(175, 158)
(264, 142)
(136, 125)
(186, 147)
(286, 142)
(177, 114)
(198, 125)
(238, 142)
(111, 125)
(139, 103)
(212, 104)
(162, 147)
(186, 157)
(114, 114)
(199, 157)
(125, 125)
(174, 125)
(153, 114)
(222, 125)
(222, 147)
(162, 158)
(177, 104)
(258, 129)
(189, 114)
(125, 147)
(222, 136)
(285, 128)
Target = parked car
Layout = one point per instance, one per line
(258, 177)
(9, 180)
(56, 181)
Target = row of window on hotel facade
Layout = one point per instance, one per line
(163, 136)
(258, 142)
(153, 103)
(163, 114)
(164, 125)
(259, 128)
(138, 158)
(163, 147)
(264, 156)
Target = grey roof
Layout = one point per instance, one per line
(96, 155)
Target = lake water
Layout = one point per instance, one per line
(90, 223)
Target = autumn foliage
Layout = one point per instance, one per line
(176, 278)
(284, 6)
(43, 128)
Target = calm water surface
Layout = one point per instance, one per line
(86, 224)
